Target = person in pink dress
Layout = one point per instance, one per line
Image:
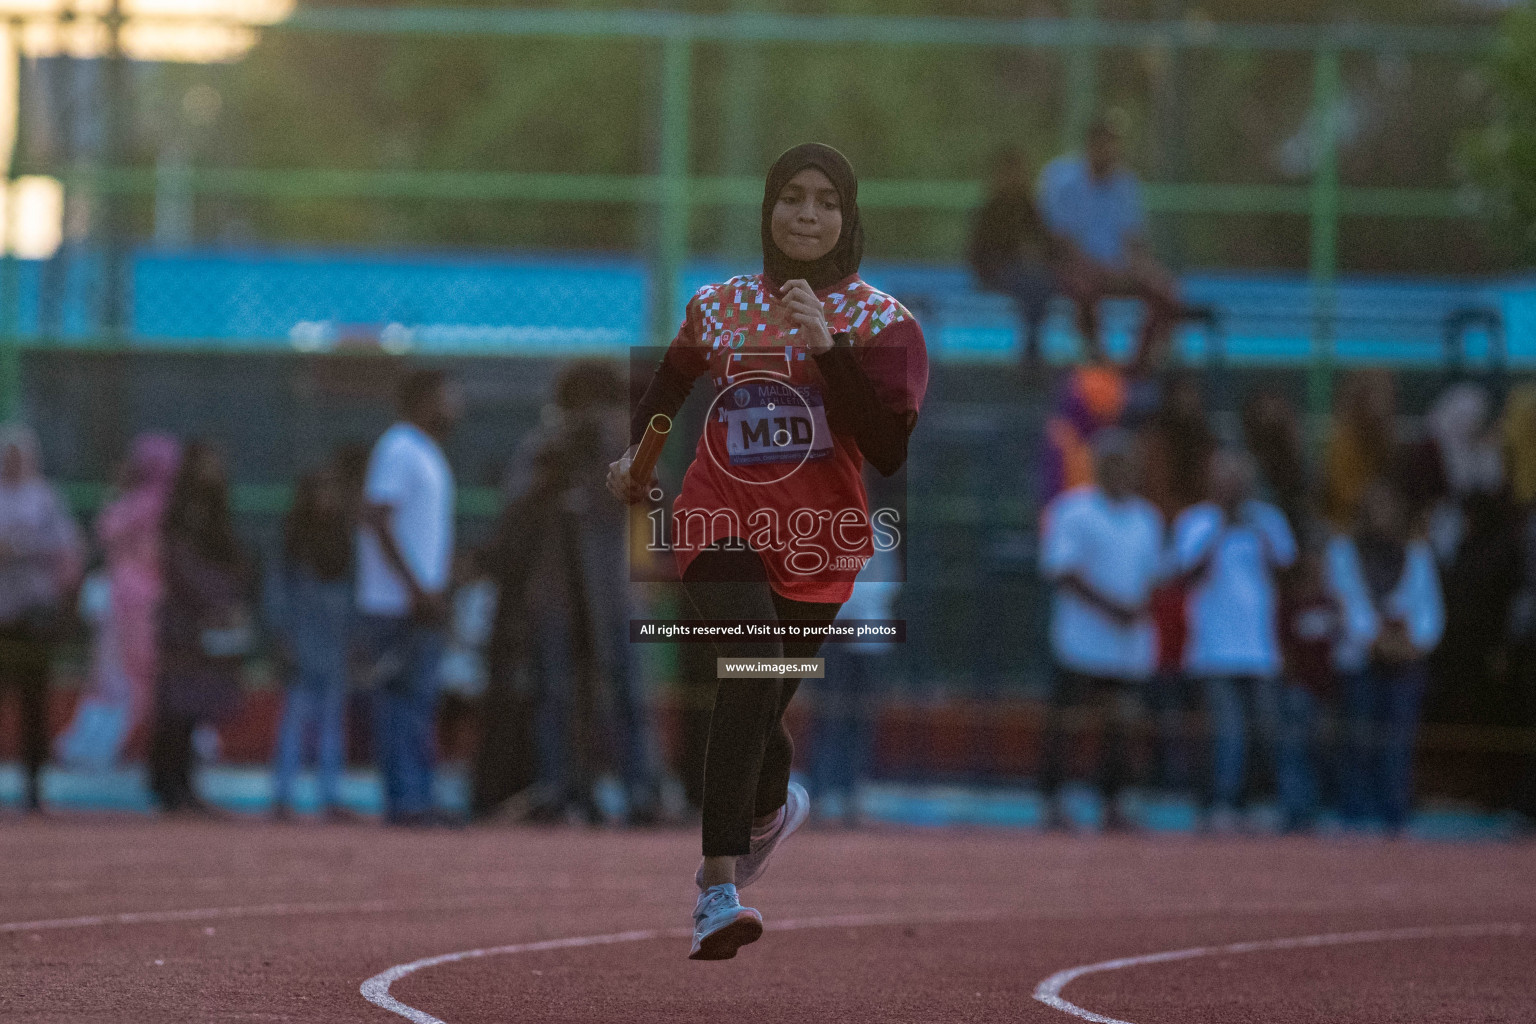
(123, 662)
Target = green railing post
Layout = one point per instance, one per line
(1082, 73)
(10, 288)
(739, 147)
(115, 96)
(672, 236)
(1324, 203)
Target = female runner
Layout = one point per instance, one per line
(814, 371)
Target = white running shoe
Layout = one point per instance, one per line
(721, 925)
(797, 807)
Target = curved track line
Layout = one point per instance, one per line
(225, 913)
(376, 988)
(1049, 990)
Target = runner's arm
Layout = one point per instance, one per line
(668, 390)
(881, 432)
(379, 519)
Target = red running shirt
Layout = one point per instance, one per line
(769, 468)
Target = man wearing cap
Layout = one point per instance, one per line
(1101, 549)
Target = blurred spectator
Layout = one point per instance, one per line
(1272, 433)
(1008, 249)
(310, 612)
(507, 760)
(1229, 551)
(473, 607)
(119, 693)
(1101, 550)
(206, 627)
(1393, 615)
(1092, 204)
(1176, 445)
(1471, 525)
(563, 572)
(404, 553)
(1469, 451)
(1520, 457)
(1311, 626)
(1362, 446)
(1089, 399)
(1519, 427)
(41, 558)
(1468, 459)
(842, 732)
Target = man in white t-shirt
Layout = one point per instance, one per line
(404, 553)
(1102, 550)
(1230, 551)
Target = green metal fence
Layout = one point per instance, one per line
(672, 192)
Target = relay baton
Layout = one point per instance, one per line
(644, 463)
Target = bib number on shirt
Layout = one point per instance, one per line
(768, 422)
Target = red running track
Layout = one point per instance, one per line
(132, 920)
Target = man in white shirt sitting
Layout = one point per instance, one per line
(404, 551)
(1230, 551)
(1091, 203)
(1102, 550)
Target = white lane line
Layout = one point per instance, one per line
(224, 913)
(376, 988)
(1049, 990)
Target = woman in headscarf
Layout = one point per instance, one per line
(1472, 528)
(1469, 455)
(814, 372)
(1464, 515)
(40, 562)
(124, 659)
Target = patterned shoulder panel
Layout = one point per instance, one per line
(741, 288)
(731, 302)
(864, 311)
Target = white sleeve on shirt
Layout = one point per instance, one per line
(1061, 545)
(1418, 599)
(1049, 189)
(389, 474)
(1194, 532)
(1279, 542)
(1361, 624)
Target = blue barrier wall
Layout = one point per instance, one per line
(544, 305)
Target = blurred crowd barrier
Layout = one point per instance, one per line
(961, 701)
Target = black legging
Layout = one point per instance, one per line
(747, 761)
(170, 761)
(24, 667)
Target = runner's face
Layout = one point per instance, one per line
(808, 218)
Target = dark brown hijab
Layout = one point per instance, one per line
(843, 260)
